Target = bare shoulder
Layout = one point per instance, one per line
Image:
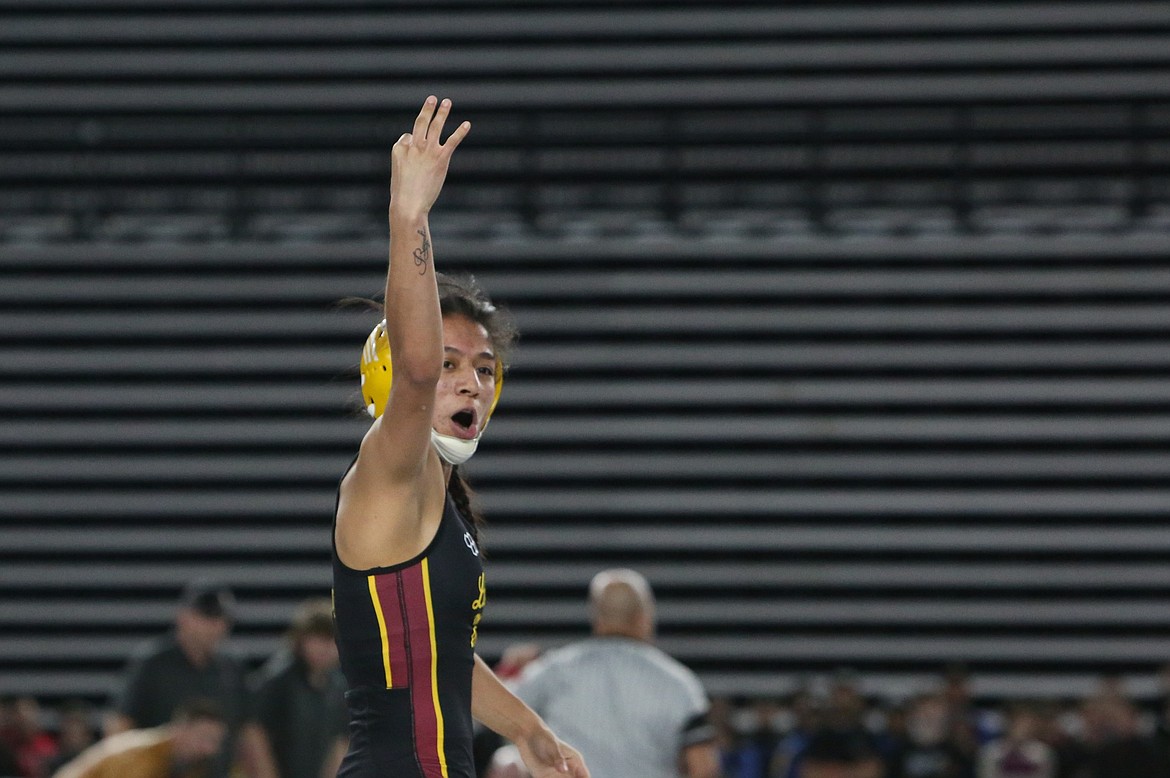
(383, 519)
(110, 750)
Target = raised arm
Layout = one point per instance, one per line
(414, 326)
(387, 484)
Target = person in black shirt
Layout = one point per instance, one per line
(190, 663)
(299, 704)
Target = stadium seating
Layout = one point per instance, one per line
(846, 325)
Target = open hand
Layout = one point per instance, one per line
(548, 757)
(418, 161)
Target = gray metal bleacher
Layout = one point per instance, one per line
(847, 325)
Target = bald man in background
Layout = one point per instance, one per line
(631, 710)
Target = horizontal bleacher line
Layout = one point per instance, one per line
(215, 166)
(509, 613)
(113, 613)
(610, 23)
(778, 648)
(789, 612)
(604, 253)
(789, 538)
(641, 92)
(617, 359)
(736, 577)
(666, 429)
(1052, 505)
(728, 537)
(704, 318)
(312, 290)
(182, 468)
(602, 539)
(538, 58)
(701, 317)
(911, 320)
(539, 394)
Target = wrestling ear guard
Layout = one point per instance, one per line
(376, 374)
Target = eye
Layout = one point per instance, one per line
(491, 371)
(448, 364)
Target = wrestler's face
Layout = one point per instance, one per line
(467, 384)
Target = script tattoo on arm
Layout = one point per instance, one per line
(422, 254)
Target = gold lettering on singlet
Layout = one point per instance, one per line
(477, 606)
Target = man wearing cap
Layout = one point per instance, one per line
(166, 672)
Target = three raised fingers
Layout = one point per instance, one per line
(428, 125)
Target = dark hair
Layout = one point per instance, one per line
(312, 617)
(465, 501)
(209, 598)
(460, 295)
(198, 709)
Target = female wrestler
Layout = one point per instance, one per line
(407, 575)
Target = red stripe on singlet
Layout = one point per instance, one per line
(390, 599)
(428, 717)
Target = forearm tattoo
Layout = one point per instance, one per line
(422, 254)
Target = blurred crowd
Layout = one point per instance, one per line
(187, 708)
(830, 730)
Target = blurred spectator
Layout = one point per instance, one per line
(738, 755)
(841, 746)
(892, 738)
(1116, 744)
(761, 727)
(1069, 752)
(1019, 753)
(808, 714)
(189, 663)
(930, 751)
(968, 727)
(514, 659)
(184, 748)
(75, 733)
(26, 743)
(299, 716)
(1160, 741)
(628, 708)
(9, 733)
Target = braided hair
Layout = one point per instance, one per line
(465, 501)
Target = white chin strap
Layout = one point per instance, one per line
(453, 450)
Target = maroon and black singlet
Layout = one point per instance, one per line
(406, 638)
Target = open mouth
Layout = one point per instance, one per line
(464, 419)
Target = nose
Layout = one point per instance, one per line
(468, 382)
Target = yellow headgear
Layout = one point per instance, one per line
(377, 374)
